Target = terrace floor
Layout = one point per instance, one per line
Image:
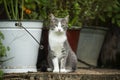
(80, 74)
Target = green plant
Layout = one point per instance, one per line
(82, 12)
(3, 49)
(35, 9)
(94, 12)
(24, 9)
(111, 14)
(62, 8)
(12, 9)
(85, 12)
(1, 75)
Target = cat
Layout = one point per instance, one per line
(61, 57)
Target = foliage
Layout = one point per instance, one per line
(110, 13)
(85, 12)
(35, 9)
(3, 49)
(23, 9)
(82, 12)
(95, 12)
(1, 74)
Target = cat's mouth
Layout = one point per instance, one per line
(60, 32)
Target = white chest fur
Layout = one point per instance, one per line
(56, 41)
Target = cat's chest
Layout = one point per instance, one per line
(56, 42)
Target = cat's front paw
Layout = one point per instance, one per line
(63, 70)
(56, 70)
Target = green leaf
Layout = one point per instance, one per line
(8, 48)
(1, 74)
(113, 20)
(118, 23)
(1, 35)
(102, 18)
(109, 15)
(117, 16)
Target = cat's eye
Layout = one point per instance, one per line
(56, 25)
(64, 27)
(52, 28)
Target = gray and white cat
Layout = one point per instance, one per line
(61, 58)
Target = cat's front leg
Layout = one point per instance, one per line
(55, 64)
(62, 65)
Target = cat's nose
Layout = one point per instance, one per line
(59, 30)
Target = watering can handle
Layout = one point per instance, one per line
(19, 24)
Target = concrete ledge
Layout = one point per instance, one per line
(81, 74)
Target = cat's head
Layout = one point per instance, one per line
(58, 24)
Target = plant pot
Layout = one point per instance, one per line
(91, 40)
(22, 56)
(73, 38)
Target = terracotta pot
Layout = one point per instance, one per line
(73, 38)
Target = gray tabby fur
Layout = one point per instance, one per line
(66, 59)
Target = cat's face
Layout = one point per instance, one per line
(58, 24)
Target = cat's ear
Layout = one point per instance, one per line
(67, 18)
(52, 16)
